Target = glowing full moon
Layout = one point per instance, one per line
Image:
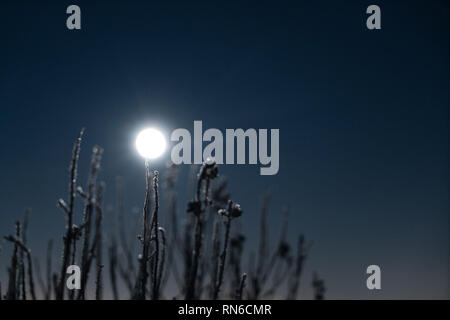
(150, 143)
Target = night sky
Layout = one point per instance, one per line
(363, 118)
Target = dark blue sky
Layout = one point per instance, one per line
(363, 118)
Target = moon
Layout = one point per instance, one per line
(150, 143)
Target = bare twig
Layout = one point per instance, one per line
(232, 211)
(12, 285)
(236, 249)
(154, 231)
(68, 209)
(215, 256)
(112, 252)
(23, 237)
(20, 244)
(208, 171)
(163, 258)
(98, 282)
(140, 287)
(98, 246)
(90, 204)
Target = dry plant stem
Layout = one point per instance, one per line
(21, 255)
(155, 226)
(48, 292)
(94, 250)
(302, 252)
(20, 244)
(73, 254)
(21, 292)
(74, 251)
(140, 288)
(21, 287)
(90, 200)
(163, 258)
(98, 282)
(69, 213)
(215, 256)
(112, 252)
(120, 210)
(223, 257)
(205, 257)
(236, 249)
(98, 242)
(191, 294)
(12, 292)
(55, 284)
(241, 287)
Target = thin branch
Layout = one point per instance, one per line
(163, 257)
(20, 244)
(90, 205)
(68, 209)
(155, 226)
(232, 211)
(98, 282)
(140, 287)
(12, 285)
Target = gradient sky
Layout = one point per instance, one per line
(363, 118)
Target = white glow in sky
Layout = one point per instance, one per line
(150, 143)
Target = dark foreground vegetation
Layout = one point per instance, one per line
(203, 260)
